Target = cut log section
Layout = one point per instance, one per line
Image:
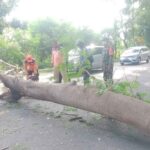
(122, 108)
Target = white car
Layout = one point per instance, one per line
(95, 51)
(134, 55)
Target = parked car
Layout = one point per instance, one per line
(134, 55)
(73, 60)
(95, 51)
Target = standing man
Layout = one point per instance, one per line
(108, 60)
(57, 61)
(85, 61)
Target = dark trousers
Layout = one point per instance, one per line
(32, 77)
(108, 69)
(60, 78)
(86, 77)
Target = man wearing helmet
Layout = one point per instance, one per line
(31, 68)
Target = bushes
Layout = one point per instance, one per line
(10, 52)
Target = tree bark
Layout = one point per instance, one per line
(122, 108)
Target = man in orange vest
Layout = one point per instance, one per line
(57, 60)
(31, 68)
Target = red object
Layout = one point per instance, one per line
(29, 59)
(111, 51)
(30, 65)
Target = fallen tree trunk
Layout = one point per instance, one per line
(122, 108)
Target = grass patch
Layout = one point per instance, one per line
(70, 109)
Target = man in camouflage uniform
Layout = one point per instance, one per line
(108, 61)
(85, 61)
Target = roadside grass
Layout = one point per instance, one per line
(70, 109)
(19, 147)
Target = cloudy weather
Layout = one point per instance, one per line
(95, 14)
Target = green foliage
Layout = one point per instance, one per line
(45, 63)
(102, 87)
(70, 109)
(141, 95)
(74, 74)
(5, 8)
(88, 36)
(128, 88)
(10, 52)
(19, 147)
(125, 87)
(15, 23)
(134, 23)
(48, 31)
(38, 36)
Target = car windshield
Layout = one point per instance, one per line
(135, 50)
(131, 51)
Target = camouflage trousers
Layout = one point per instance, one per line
(108, 69)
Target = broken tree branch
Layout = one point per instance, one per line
(8, 64)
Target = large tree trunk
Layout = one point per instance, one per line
(123, 108)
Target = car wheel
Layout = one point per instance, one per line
(139, 60)
(121, 63)
(147, 60)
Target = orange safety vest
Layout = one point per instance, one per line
(110, 51)
(31, 67)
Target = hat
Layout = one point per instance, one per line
(29, 58)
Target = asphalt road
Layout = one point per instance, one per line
(38, 125)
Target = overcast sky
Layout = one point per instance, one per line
(95, 14)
